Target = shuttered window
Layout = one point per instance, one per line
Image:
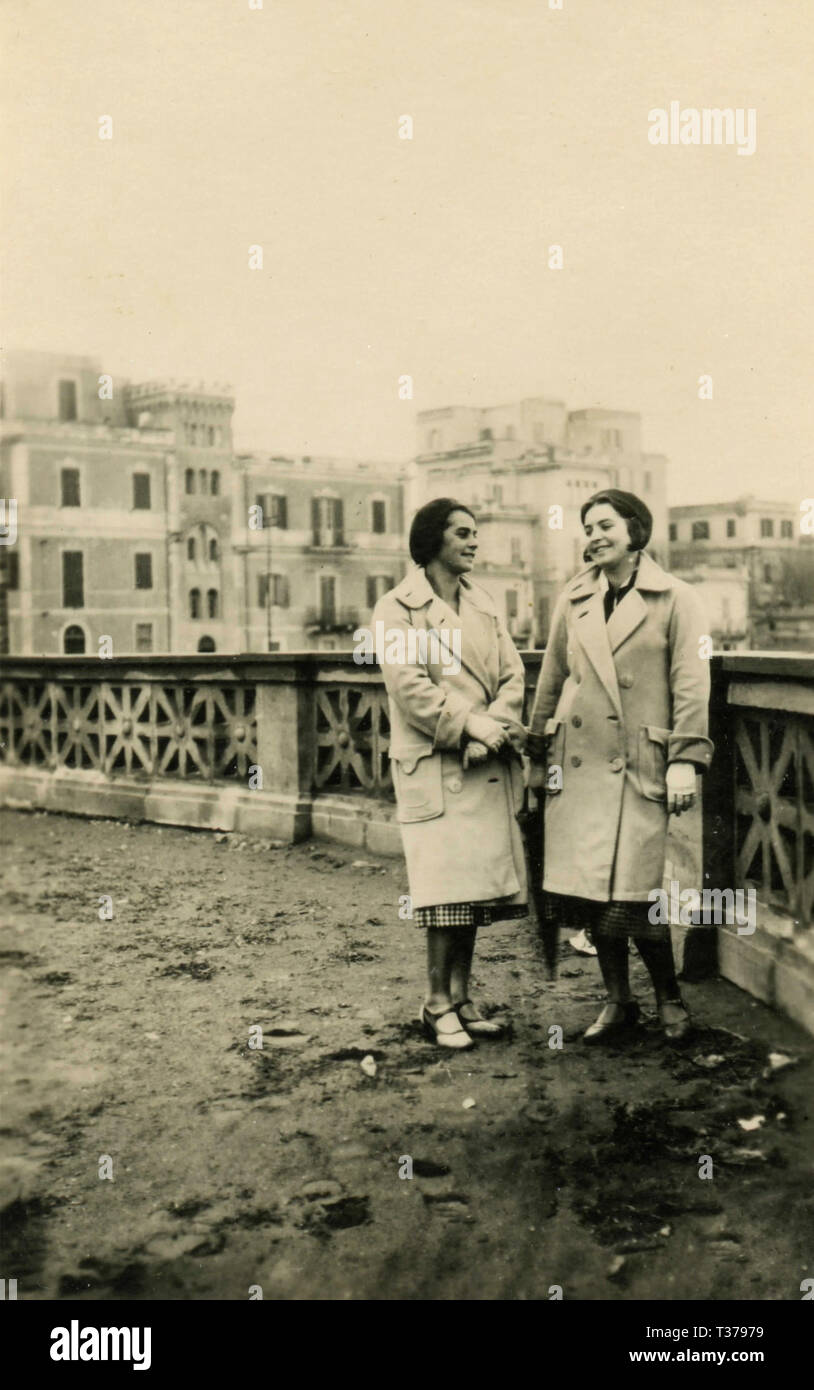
(144, 571)
(73, 580)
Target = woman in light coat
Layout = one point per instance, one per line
(618, 733)
(456, 712)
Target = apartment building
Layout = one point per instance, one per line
(318, 540)
(139, 529)
(526, 469)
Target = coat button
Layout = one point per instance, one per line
(576, 762)
(455, 784)
(617, 764)
(577, 722)
(626, 681)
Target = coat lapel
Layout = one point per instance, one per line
(416, 592)
(476, 649)
(624, 620)
(592, 633)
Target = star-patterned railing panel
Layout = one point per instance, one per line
(774, 809)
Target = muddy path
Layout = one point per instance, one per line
(128, 1051)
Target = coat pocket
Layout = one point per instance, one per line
(418, 785)
(555, 759)
(653, 746)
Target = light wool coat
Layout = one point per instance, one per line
(618, 702)
(459, 830)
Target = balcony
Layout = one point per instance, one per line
(330, 619)
(327, 539)
(173, 739)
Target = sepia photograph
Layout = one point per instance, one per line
(407, 663)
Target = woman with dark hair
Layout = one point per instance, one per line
(455, 684)
(618, 733)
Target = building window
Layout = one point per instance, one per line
(378, 584)
(207, 644)
(73, 642)
(212, 602)
(69, 480)
(214, 484)
(485, 435)
(787, 530)
(327, 521)
(511, 603)
(378, 517)
(767, 574)
(144, 571)
(275, 509)
(189, 480)
(12, 569)
(700, 530)
(67, 403)
(210, 434)
(141, 491)
(497, 493)
(194, 603)
(673, 531)
(280, 593)
(73, 584)
(144, 637)
(731, 528)
(213, 549)
(191, 548)
(193, 433)
(202, 480)
(327, 598)
(517, 551)
(766, 527)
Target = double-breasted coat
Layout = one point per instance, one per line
(617, 703)
(459, 829)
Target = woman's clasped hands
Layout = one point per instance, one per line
(486, 737)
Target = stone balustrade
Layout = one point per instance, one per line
(292, 745)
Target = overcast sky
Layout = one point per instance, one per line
(384, 256)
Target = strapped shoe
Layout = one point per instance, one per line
(674, 1018)
(614, 1020)
(477, 1026)
(445, 1028)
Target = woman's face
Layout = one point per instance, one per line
(460, 543)
(606, 534)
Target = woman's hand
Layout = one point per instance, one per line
(680, 787)
(474, 754)
(482, 728)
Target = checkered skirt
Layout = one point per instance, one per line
(468, 914)
(616, 919)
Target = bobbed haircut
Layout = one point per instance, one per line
(631, 508)
(428, 527)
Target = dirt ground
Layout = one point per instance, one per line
(126, 1050)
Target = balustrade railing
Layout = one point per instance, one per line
(316, 724)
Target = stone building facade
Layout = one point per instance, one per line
(526, 469)
(135, 523)
(763, 541)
